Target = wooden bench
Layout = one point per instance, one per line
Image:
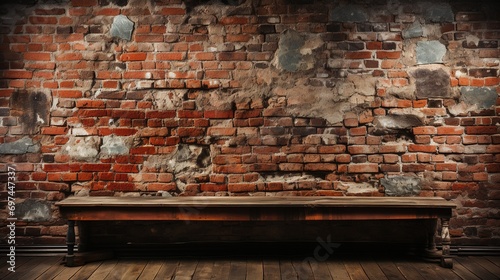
(260, 208)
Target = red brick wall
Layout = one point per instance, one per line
(269, 97)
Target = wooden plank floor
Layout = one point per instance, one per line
(281, 268)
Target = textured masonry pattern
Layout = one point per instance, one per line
(268, 97)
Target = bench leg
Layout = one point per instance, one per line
(70, 242)
(431, 252)
(446, 259)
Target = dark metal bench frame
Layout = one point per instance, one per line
(260, 208)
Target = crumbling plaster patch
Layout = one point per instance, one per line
(330, 103)
(82, 148)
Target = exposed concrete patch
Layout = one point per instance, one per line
(21, 146)
(82, 148)
(431, 82)
(32, 210)
(115, 145)
(122, 27)
(483, 97)
(401, 185)
(32, 108)
(430, 52)
(394, 123)
(348, 13)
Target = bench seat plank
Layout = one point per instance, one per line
(258, 201)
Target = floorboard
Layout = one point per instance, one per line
(338, 270)
(320, 270)
(150, 270)
(255, 271)
(204, 270)
(167, 270)
(222, 269)
(355, 270)
(18, 268)
(134, 271)
(86, 271)
(462, 271)
(287, 271)
(408, 270)
(303, 269)
(238, 270)
(390, 270)
(103, 270)
(271, 269)
(258, 268)
(23, 270)
(476, 268)
(186, 269)
(489, 266)
(372, 270)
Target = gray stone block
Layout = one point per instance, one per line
(482, 97)
(438, 12)
(289, 50)
(401, 185)
(348, 13)
(21, 146)
(122, 27)
(32, 210)
(430, 52)
(432, 83)
(413, 31)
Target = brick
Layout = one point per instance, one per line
(144, 150)
(358, 55)
(160, 114)
(424, 130)
(388, 54)
(16, 74)
(242, 187)
(119, 186)
(474, 130)
(225, 114)
(363, 168)
(330, 167)
(450, 130)
(69, 56)
(87, 103)
(190, 132)
(221, 131)
(422, 148)
(171, 56)
(42, 20)
(84, 3)
(139, 56)
(54, 130)
(358, 131)
(232, 56)
(37, 56)
(95, 167)
(363, 149)
(49, 167)
(172, 11)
